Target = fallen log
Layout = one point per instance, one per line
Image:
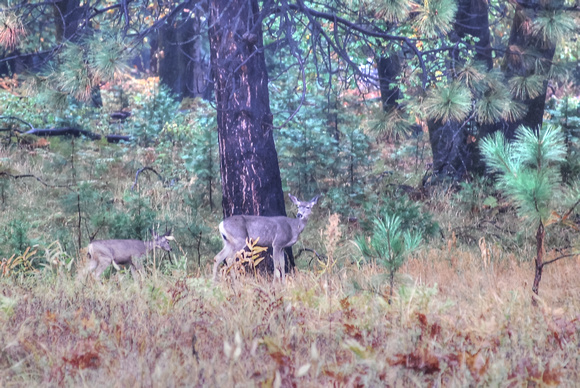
(76, 132)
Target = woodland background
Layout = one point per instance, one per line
(419, 261)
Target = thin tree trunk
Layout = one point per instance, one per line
(540, 235)
(392, 284)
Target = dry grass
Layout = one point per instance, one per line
(449, 325)
(462, 315)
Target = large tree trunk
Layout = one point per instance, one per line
(520, 59)
(523, 50)
(249, 168)
(454, 153)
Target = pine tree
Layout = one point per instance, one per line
(528, 173)
(389, 245)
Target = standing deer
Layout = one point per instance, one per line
(277, 232)
(103, 253)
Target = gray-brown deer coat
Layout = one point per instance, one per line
(103, 253)
(278, 232)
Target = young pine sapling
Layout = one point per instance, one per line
(389, 245)
(528, 173)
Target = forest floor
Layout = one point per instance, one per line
(454, 320)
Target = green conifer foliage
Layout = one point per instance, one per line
(528, 173)
(389, 245)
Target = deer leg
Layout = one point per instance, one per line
(133, 271)
(231, 246)
(102, 265)
(91, 267)
(278, 259)
(136, 267)
(219, 258)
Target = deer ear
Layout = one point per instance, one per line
(293, 198)
(315, 199)
(169, 238)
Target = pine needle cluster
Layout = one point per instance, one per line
(552, 26)
(392, 11)
(83, 65)
(389, 245)
(452, 102)
(528, 169)
(435, 17)
(11, 30)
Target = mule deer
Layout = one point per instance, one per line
(103, 253)
(277, 232)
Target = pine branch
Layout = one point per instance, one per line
(567, 214)
(355, 27)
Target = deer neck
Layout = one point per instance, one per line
(149, 246)
(299, 223)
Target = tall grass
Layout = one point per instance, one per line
(460, 325)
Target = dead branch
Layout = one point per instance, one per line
(146, 168)
(17, 119)
(318, 256)
(545, 263)
(4, 173)
(76, 132)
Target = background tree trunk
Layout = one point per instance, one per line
(181, 64)
(67, 18)
(523, 53)
(388, 68)
(249, 168)
(454, 155)
(523, 43)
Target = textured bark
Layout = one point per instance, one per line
(454, 154)
(181, 64)
(249, 167)
(540, 236)
(523, 41)
(388, 69)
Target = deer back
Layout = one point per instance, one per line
(277, 231)
(121, 251)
